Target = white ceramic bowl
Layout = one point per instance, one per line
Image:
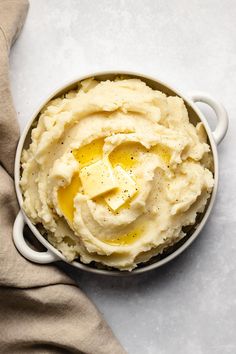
(215, 137)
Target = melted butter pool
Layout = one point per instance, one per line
(126, 155)
(66, 197)
(90, 153)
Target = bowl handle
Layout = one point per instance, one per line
(220, 111)
(23, 247)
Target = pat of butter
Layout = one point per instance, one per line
(98, 178)
(126, 189)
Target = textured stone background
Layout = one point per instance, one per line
(188, 306)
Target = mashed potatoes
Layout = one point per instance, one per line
(114, 172)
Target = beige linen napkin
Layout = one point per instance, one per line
(41, 309)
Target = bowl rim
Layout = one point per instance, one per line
(144, 268)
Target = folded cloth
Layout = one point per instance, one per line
(41, 308)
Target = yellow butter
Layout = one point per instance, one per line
(89, 153)
(98, 178)
(126, 189)
(66, 197)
